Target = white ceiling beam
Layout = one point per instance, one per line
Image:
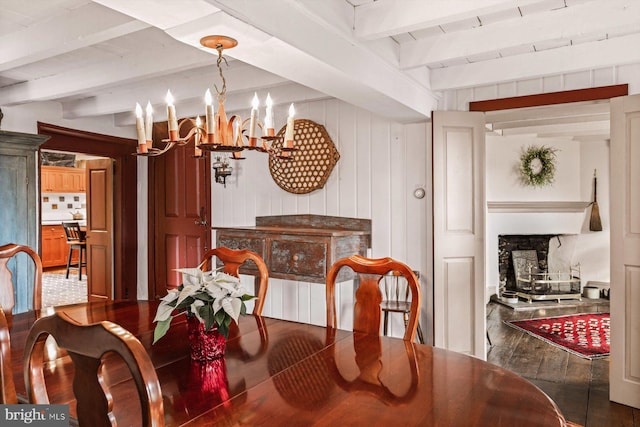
(308, 51)
(389, 17)
(585, 56)
(549, 112)
(592, 18)
(592, 138)
(241, 78)
(67, 31)
(578, 135)
(550, 121)
(563, 128)
(161, 14)
(165, 59)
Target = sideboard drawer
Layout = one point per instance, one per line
(238, 241)
(299, 258)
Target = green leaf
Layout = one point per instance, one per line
(204, 297)
(247, 297)
(224, 330)
(185, 303)
(220, 315)
(161, 329)
(206, 312)
(243, 309)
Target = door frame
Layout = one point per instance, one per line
(125, 200)
(553, 98)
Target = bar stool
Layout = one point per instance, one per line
(396, 300)
(76, 240)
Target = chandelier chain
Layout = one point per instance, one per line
(221, 94)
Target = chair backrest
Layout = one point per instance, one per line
(7, 386)
(7, 296)
(73, 231)
(367, 312)
(395, 287)
(232, 259)
(86, 346)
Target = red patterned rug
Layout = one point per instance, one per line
(585, 335)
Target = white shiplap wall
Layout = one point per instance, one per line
(381, 163)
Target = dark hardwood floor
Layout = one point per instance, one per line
(580, 387)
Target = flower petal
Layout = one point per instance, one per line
(194, 309)
(232, 307)
(163, 313)
(170, 296)
(187, 291)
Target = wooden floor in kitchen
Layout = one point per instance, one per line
(579, 386)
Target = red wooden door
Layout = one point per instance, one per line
(100, 229)
(181, 190)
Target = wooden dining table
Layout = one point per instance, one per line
(277, 372)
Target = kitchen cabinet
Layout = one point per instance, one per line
(19, 215)
(300, 247)
(58, 179)
(54, 246)
(55, 249)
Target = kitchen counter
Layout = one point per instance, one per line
(81, 222)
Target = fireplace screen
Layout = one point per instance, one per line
(533, 284)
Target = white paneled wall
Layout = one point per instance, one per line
(381, 164)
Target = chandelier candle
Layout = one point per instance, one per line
(197, 152)
(288, 134)
(142, 141)
(208, 100)
(148, 121)
(268, 117)
(171, 118)
(255, 103)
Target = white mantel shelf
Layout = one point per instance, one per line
(536, 207)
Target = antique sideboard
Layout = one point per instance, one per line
(299, 247)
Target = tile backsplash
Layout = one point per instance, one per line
(59, 206)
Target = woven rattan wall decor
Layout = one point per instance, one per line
(308, 167)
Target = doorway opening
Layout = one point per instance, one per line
(122, 206)
(63, 200)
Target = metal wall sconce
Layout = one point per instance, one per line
(221, 170)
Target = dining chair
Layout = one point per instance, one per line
(88, 346)
(7, 295)
(397, 299)
(368, 297)
(7, 386)
(232, 259)
(76, 241)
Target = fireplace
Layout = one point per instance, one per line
(539, 266)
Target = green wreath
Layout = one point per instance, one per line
(538, 165)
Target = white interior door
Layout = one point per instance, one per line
(624, 374)
(458, 220)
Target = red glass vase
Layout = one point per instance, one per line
(204, 345)
(207, 385)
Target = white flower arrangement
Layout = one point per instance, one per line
(214, 297)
